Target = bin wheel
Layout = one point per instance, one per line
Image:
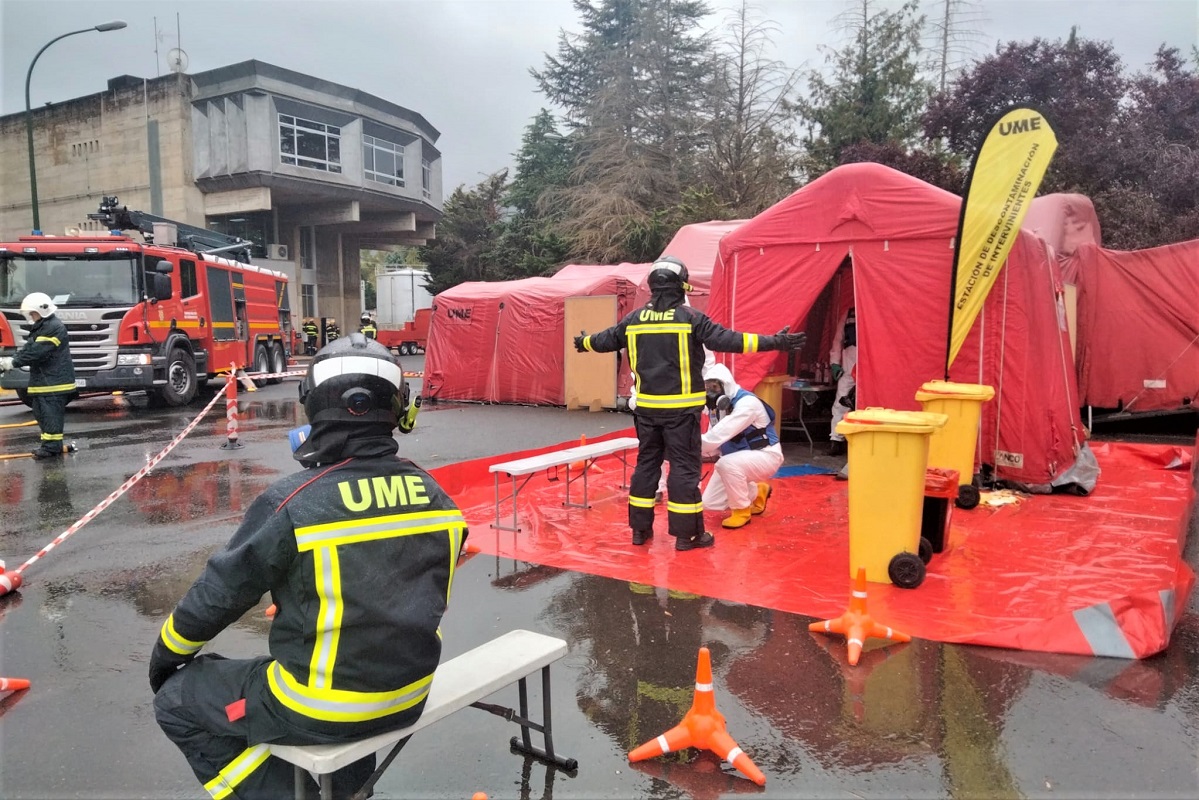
(906, 571)
(968, 496)
(926, 550)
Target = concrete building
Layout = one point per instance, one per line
(311, 171)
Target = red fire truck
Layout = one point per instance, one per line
(148, 316)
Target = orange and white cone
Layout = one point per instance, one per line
(13, 684)
(856, 624)
(702, 727)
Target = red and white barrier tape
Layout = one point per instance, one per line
(124, 487)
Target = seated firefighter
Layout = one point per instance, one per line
(742, 431)
(358, 553)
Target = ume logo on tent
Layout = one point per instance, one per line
(458, 313)
(1019, 126)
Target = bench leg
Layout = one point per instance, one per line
(524, 743)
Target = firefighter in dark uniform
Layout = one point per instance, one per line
(47, 353)
(665, 341)
(367, 328)
(358, 554)
(332, 332)
(312, 336)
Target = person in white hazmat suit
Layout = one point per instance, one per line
(741, 430)
(844, 360)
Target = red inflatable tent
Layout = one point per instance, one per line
(1138, 326)
(890, 236)
(502, 342)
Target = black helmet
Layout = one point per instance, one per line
(354, 379)
(668, 271)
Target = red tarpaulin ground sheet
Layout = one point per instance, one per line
(1097, 575)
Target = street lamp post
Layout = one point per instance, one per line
(106, 26)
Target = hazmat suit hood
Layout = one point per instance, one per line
(719, 372)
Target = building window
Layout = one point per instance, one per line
(307, 247)
(307, 300)
(383, 161)
(254, 227)
(426, 178)
(304, 143)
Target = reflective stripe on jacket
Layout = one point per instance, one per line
(666, 353)
(47, 353)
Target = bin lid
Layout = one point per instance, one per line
(940, 390)
(886, 420)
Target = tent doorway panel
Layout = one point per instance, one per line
(589, 379)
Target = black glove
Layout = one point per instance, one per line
(164, 663)
(783, 340)
(579, 343)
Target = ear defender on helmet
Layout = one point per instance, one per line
(356, 379)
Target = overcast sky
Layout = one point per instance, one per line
(463, 64)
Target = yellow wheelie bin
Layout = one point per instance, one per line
(953, 448)
(888, 454)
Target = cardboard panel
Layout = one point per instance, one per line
(589, 378)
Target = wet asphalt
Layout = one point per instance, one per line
(916, 720)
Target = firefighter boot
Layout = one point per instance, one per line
(699, 540)
(737, 518)
(641, 537)
(759, 503)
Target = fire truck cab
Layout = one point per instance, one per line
(146, 316)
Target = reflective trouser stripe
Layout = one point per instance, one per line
(685, 508)
(58, 388)
(51, 437)
(237, 771)
(641, 502)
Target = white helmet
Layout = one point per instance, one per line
(39, 302)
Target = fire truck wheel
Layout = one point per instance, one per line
(180, 388)
(278, 361)
(262, 363)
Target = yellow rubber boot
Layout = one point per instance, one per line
(759, 503)
(737, 518)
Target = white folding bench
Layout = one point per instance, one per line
(587, 454)
(460, 682)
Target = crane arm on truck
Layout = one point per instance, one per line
(198, 240)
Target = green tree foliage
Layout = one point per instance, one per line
(530, 244)
(874, 92)
(467, 235)
(633, 86)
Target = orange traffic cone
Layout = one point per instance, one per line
(703, 727)
(271, 611)
(580, 464)
(856, 624)
(479, 796)
(13, 684)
